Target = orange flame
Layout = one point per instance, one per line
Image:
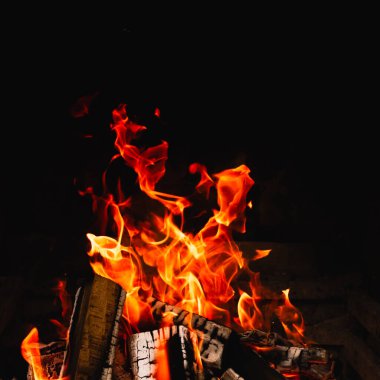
(163, 368)
(153, 255)
(260, 253)
(291, 319)
(30, 350)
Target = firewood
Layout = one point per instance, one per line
(312, 362)
(166, 352)
(121, 369)
(221, 348)
(214, 336)
(230, 374)
(267, 339)
(107, 367)
(93, 332)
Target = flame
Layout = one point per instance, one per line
(197, 343)
(154, 255)
(291, 319)
(30, 351)
(65, 299)
(163, 368)
(260, 253)
(30, 346)
(81, 107)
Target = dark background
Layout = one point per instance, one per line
(288, 92)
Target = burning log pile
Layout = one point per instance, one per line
(190, 347)
(169, 304)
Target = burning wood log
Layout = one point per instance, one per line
(94, 330)
(312, 362)
(164, 353)
(93, 350)
(221, 348)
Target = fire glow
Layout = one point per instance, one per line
(198, 271)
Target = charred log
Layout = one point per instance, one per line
(163, 353)
(222, 348)
(93, 331)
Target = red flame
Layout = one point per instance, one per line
(81, 107)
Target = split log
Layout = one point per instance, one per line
(221, 348)
(312, 362)
(121, 369)
(163, 353)
(93, 331)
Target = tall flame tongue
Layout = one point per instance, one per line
(155, 256)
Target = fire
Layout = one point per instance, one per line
(291, 319)
(30, 350)
(154, 255)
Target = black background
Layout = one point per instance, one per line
(282, 90)
(288, 92)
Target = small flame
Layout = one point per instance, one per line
(65, 299)
(260, 253)
(30, 350)
(82, 106)
(291, 319)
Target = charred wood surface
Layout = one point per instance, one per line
(93, 331)
(222, 348)
(163, 353)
